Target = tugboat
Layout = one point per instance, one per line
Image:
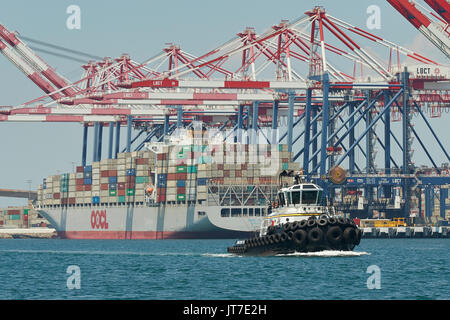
(297, 222)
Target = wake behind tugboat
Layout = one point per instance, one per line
(299, 224)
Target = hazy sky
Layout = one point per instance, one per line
(142, 28)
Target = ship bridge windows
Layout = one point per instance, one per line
(225, 212)
(281, 199)
(295, 197)
(309, 197)
(288, 198)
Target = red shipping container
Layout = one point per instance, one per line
(284, 160)
(121, 186)
(250, 180)
(238, 173)
(80, 169)
(104, 186)
(13, 211)
(160, 191)
(121, 192)
(87, 187)
(220, 167)
(181, 190)
(1, 222)
(71, 200)
(80, 188)
(244, 166)
(162, 156)
(161, 198)
(131, 179)
(142, 161)
(104, 173)
(56, 196)
(112, 173)
(130, 185)
(226, 173)
(171, 176)
(181, 176)
(79, 182)
(64, 201)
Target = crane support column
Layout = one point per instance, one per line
(116, 149)
(84, 151)
(129, 127)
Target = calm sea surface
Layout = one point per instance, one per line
(201, 269)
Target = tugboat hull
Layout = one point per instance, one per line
(304, 236)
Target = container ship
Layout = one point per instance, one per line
(181, 188)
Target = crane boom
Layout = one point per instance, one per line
(430, 29)
(37, 62)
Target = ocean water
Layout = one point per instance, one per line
(202, 270)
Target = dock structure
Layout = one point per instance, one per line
(406, 232)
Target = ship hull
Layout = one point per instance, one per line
(142, 222)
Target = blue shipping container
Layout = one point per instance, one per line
(112, 179)
(162, 183)
(88, 175)
(95, 200)
(88, 169)
(181, 183)
(112, 186)
(87, 181)
(131, 172)
(201, 181)
(162, 177)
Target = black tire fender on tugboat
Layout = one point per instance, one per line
(276, 238)
(271, 239)
(290, 235)
(334, 235)
(295, 225)
(322, 222)
(287, 227)
(302, 224)
(332, 221)
(341, 221)
(300, 237)
(350, 235)
(311, 223)
(315, 235)
(358, 236)
(283, 237)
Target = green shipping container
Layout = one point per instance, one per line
(141, 179)
(25, 211)
(130, 192)
(14, 217)
(112, 193)
(181, 197)
(121, 199)
(204, 160)
(280, 147)
(285, 166)
(192, 169)
(181, 169)
(181, 156)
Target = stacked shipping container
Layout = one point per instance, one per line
(178, 173)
